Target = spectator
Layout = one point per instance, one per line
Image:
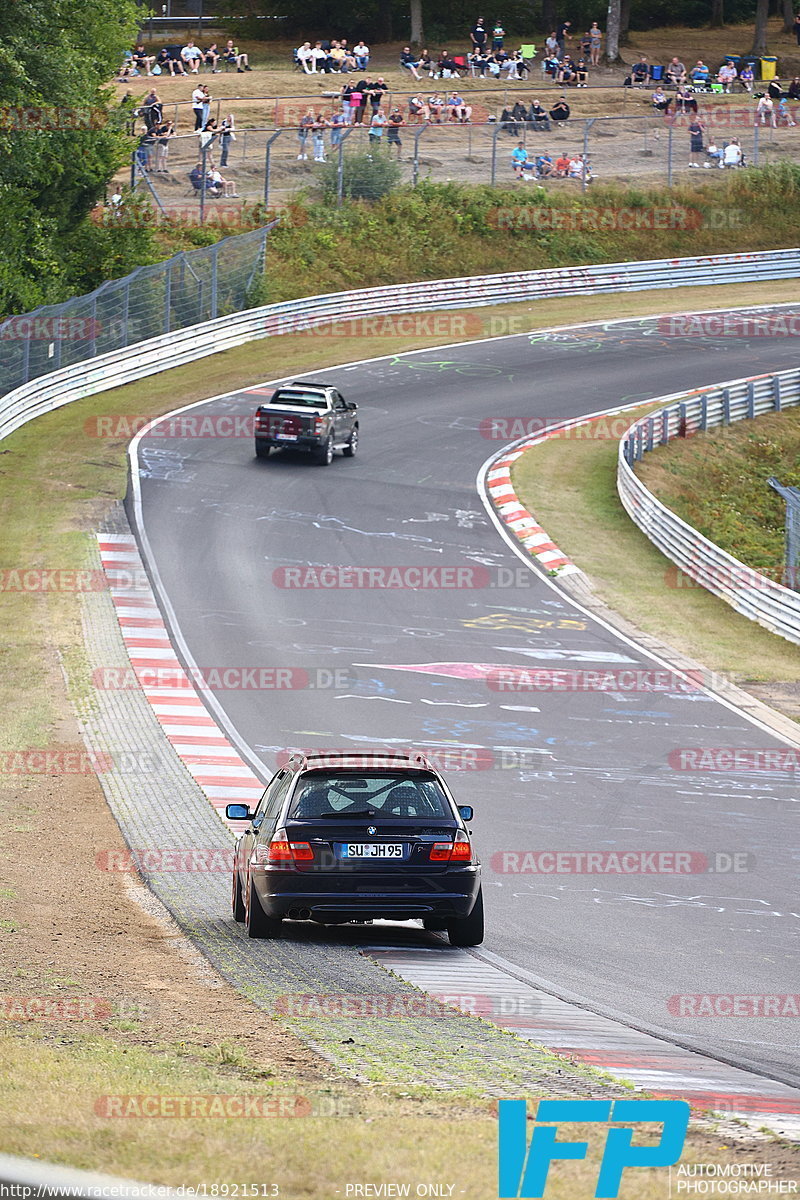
(458, 109)
(163, 132)
(338, 123)
(695, 140)
(303, 130)
(318, 137)
(733, 154)
(581, 74)
(198, 102)
(784, 116)
(562, 164)
(144, 150)
(684, 100)
(538, 116)
(794, 88)
(519, 160)
(675, 72)
(519, 115)
(393, 130)
(191, 56)
(306, 59)
(436, 108)
(479, 62)
(478, 35)
(207, 135)
(640, 72)
(224, 187)
(376, 92)
(376, 127)
(115, 203)
(498, 34)
(361, 55)
(152, 111)
(507, 125)
(418, 108)
(346, 96)
(562, 35)
(774, 89)
(166, 62)
(231, 55)
(797, 28)
(726, 75)
(714, 156)
(765, 111)
(426, 64)
(559, 113)
(746, 77)
(660, 101)
(227, 134)
(551, 47)
(699, 74)
(446, 67)
(409, 62)
(575, 168)
(338, 57)
(585, 45)
(128, 68)
(544, 166)
(319, 58)
(211, 58)
(596, 41)
(206, 103)
(143, 60)
(566, 72)
(550, 65)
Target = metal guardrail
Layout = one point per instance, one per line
(752, 594)
(182, 346)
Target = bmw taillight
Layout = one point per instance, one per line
(459, 850)
(280, 849)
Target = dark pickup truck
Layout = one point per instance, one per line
(307, 416)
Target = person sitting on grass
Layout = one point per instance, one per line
(700, 73)
(446, 67)
(660, 101)
(640, 72)
(544, 166)
(562, 164)
(559, 113)
(733, 154)
(224, 186)
(746, 77)
(167, 63)
(566, 72)
(211, 58)
(538, 116)
(143, 60)
(458, 109)
(675, 72)
(192, 55)
(417, 108)
(361, 55)
(726, 75)
(581, 74)
(436, 108)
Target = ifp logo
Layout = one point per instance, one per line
(523, 1169)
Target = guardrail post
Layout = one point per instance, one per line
(415, 168)
(683, 428)
(665, 427)
(704, 411)
(726, 406)
(495, 133)
(751, 400)
(776, 393)
(651, 430)
(267, 160)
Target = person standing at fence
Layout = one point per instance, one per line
(318, 137)
(338, 122)
(305, 127)
(395, 124)
(198, 100)
(152, 110)
(695, 140)
(206, 103)
(163, 133)
(562, 35)
(227, 134)
(207, 135)
(376, 127)
(498, 35)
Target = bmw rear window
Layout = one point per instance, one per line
(327, 795)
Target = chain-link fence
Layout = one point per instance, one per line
(271, 164)
(791, 566)
(182, 291)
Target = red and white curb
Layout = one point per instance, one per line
(516, 517)
(194, 735)
(480, 982)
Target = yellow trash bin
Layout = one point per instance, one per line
(769, 68)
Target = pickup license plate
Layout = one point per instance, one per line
(286, 437)
(372, 850)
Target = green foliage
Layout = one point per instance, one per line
(364, 176)
(61, 134)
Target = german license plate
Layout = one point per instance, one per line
(372, 850)
(286, 437)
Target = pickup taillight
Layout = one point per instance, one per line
(262, 420)
(319, 425)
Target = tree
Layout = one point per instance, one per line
(417, 28)
(61, 132)
(787, 7)
(718, 13)
(613, 25)
(760, 33)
